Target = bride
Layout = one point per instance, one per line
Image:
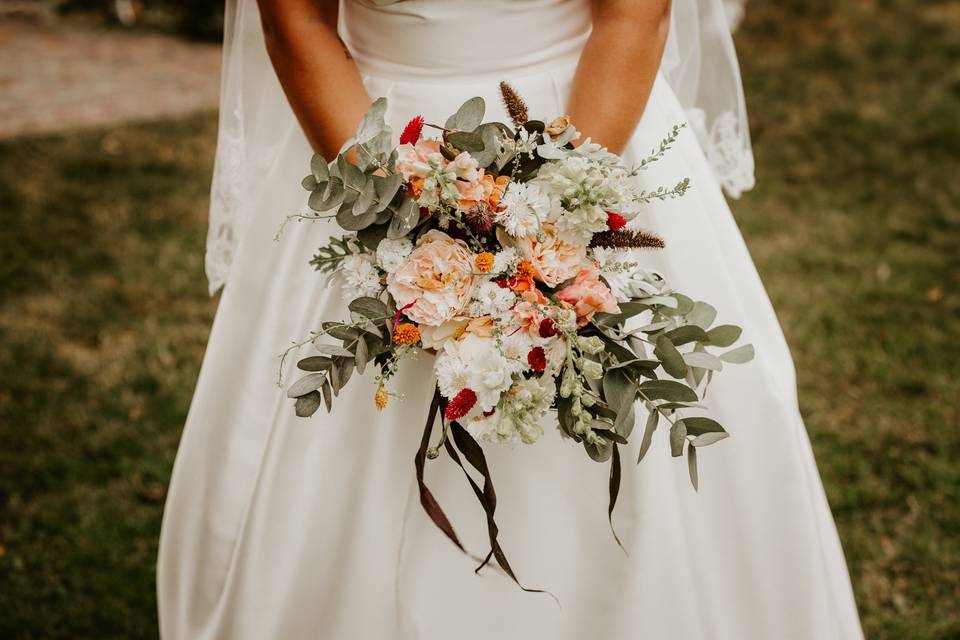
(279, 527)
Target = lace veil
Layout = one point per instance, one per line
(700, 64)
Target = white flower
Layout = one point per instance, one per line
(505, 260)
(465, 167)
(489, 299)
(518, 414)
(525, 205)
(486, 371)
(360, 277)
(583, 222)
(451, 374)
(624, 273)
(392, 253)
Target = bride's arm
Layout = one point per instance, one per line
(617, 68)
(318, 75)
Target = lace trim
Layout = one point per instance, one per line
(225, 203)
(726, 149)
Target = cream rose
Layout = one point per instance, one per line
(554, 257)
(434, 284)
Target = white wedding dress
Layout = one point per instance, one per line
(288, 528)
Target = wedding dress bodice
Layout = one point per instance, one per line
(444, 39)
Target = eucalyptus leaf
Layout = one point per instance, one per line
(703, 360)
(306, 384)
(327, 198)
(702, 315)
(371, 236)
(315, 363)
(626, 418)
(319, 168)
(692, 466)
(361, 355)
(678, 435)
(387, 187)
(370, 307)
(365, 200)
(652, 420)
(327, 395)
(339, 331)
(351, 222)
(699, 425)
(465, 141)
(618, 390)
(740, 355)
(307, 405)
(686, 334)
(468, 117)
(334, 350)
(309, 183)
(724, 335)
(404, 220)
(372, 124)
(600, 453)
(353, 178)
(709, 438)
(671, 359)
(670, 390)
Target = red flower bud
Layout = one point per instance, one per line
(411, 132)
(615, 221)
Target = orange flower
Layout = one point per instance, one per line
(519, 285)
(415, 187)
(406, 333)
(500, 186)
(381, 398)
(484, 262)
(525, 269)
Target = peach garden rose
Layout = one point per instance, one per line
(436, 280)
(554, 257)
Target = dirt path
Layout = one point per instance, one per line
(55, 78)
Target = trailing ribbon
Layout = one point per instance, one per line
(430, 504)
(473, 453)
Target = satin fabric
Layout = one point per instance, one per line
(280, 527)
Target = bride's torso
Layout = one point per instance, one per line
(444, 40)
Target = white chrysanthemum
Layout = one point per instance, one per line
(451, 374)
(489, 299)
(505, 260)
(392, 253)
(524, 206)
(360, 276)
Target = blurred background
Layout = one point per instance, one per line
(107, 133)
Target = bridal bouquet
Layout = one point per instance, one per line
(509, 253)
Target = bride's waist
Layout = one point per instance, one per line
(445, 40)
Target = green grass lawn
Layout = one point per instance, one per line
(855, 226)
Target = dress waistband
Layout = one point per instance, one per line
(463, 40)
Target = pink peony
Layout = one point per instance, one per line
(554, 258)
(588, 295)
(435, 280)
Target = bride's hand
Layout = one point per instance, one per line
(617, 68)
(318, 75)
